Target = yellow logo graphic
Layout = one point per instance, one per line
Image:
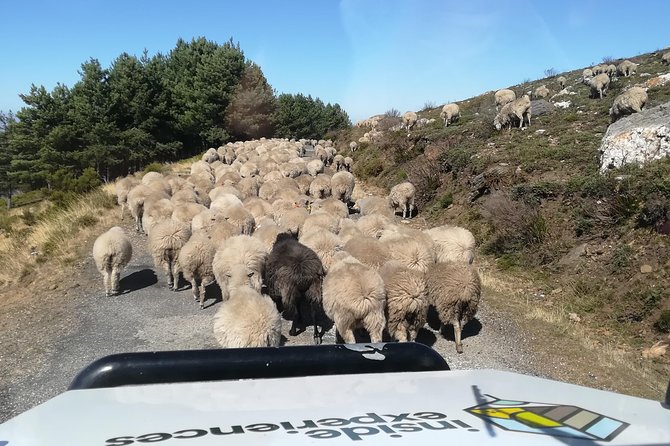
(548, 419)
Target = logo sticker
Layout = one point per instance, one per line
(548, 419)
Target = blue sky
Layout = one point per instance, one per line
(366, 55)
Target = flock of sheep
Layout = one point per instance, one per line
(279, 234)
(516, 112)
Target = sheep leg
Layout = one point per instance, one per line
(123, 206)
(318, 334)
(116, 273)
(374, 325)
(347, 334)
(297, 322)
(203, 296)
(457, 334)
(105, 276)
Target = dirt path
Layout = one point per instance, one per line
(46, 339)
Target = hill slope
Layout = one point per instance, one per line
(583, 248)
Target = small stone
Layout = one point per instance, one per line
(646, 269)
(53, 287)
(557, 291)
(574, 317)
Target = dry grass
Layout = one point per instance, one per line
(595, 360)
(53, 237)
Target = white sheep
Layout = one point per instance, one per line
(210, 156)
(315, 167)
(123, 187)
(267, 234)
(562, 81)
(354, 296)
(348, 163)
(374, 205)
(150, 177)
(353, 145)
(136, 199)
(321, 221)
(628, 102)
(293, 219)
(412, 252)
(111, 252)
(155, 211)
(599, 85)
(368, 251)
(373, 225)
(247, 319)
(541, 92)
(452, 244)
(330, 205)
(450, 113)
(402, 196)
(195, 262)
(406, 300)
(165, 241)
(517, 110)
(239, 250)
(342, 186)
(186, 212)
(338, 160)
(666, 58)
(325, 244)
(504, 96)
(627, 68)
(409, 119)
(454, 289)
(348, 230)
(320, 186)
(587, 74)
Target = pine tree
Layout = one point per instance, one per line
(249, 114)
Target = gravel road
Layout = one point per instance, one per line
(47, 339)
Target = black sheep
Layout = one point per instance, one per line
(293, 275)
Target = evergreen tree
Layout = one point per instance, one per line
(249, 114)
(200, 77)
(299, 116)
(6, 183)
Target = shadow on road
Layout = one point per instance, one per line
(139, 279)
(472, 328)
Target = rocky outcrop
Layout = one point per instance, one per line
(540, 107)
(637, 139)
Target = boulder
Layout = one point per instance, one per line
(540, 107)
(637, 139)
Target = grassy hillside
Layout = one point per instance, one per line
(585, 245)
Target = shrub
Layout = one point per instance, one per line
(425, 176)
(621, 259)
(392, 113)
(654, 211)
(455, 159)
(30, 197)
(446, 200)
(549, 72)
(88, 180)
(154, 167)
(608, 59)
(533, 193)
(662, 324)
(428, 105)
(515, 225)
(368, 167)
(7, 221)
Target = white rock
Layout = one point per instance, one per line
(637, 139)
